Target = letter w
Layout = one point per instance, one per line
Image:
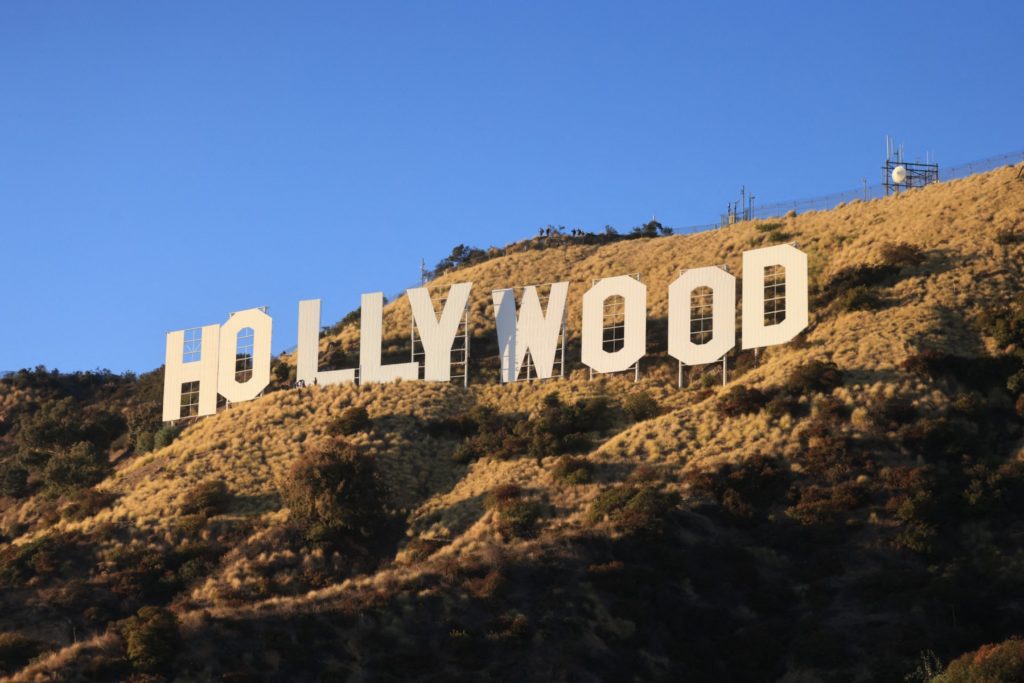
(535, 332)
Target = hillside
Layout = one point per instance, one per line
(847, 502)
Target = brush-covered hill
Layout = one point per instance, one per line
(849, 507)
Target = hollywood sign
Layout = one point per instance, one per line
(233, 359)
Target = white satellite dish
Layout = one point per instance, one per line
(899, 174)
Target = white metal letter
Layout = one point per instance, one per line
(634, 293)
(203, 370)
(371, 324)
(756, 333)
(436, 335)
(535, 331)
(308, 354)
(228, 385)
(723, 316)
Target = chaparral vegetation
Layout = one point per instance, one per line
(848, 507)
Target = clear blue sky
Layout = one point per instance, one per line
(165, 163)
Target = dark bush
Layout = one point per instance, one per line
(815, 375)
(333, 491)
(635, 509)
(936, 438)
(14, 482)
(52, 426)
(1007, 236)
(165, 436)
(997, 663)
(572, 470)
(650, 229)
(901, 254)
(152, 639)
(926, 363)
(745, 489)
(561, 428)
(207, 498)
(502, 494)
(86, 503)
(16, 650)
(1005, 324)
(826, 505)
(859, 276)
(40, 557)
(860, 298)
(891, 412)
(640, 406)
(460, 257)
(353, 419)
(78, 467)
(517, 514)
(143, 442)
(740, 400)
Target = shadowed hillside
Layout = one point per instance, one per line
(850, 506)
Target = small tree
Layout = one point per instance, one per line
(640, 406)
(901, 254)
(143, 442)
(151, 639)
(164, 437)
(353, 419)
(50, 427)
(207, 498)
(334, 491)
(14, 482)
(78, 467)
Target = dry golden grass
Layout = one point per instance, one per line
(251, 444)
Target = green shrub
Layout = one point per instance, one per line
(633, 508)
(517, 514)
(640, 406)
(859, 276)
(460, 257)
(165, 436)
(572, 470)
(207, 498)
(40, 557)
(152, 639)
(86, 503)
(466, 452)
(815, 375)
(79, 467)
(860, 298)
(16, 650)
(353, 419)
(333, 491)
(1004, 324)
(1006, 236)
(52, 426)
(825, 505)
(561, 428)
(144, 441)
(194, 569)
(744, 489)
(901, 254)
(740, 400)
(891, 412)
(14, 482)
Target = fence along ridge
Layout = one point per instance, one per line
(874, 191)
